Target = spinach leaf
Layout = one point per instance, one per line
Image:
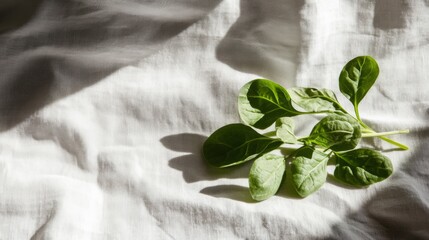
(315, 100)
(338, 132)
(285, 128)
(236, 143)
(248, 114)
(357, 77)
(266, 176)
(308, 170)
(261, 102)
(362, 167)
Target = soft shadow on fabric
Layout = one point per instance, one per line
(265, 40)
(233, 192)
(401, 209)
(390, 14)
(194, 168)
(15, 13)
(192, 164)
(59, 48)
(40, 232)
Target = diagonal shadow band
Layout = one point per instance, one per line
(10, 20)
(57, 49)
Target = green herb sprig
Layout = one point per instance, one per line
(262, 103)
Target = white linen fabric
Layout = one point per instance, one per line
(104, 106)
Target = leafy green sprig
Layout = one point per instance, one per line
(262, 103)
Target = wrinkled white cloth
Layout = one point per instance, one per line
(104, 106)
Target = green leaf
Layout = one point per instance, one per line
(261, 102)
(285, 128)
(338, 132)
(315, 100)
(248, 114)
(236, 143)
(266, 176)
(362, 167)
(308, 170)
(357, 77)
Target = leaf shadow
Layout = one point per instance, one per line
(233, 192)
(192, 164)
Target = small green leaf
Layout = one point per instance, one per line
(236, 143)
(357, 77)
(248, 114)
(266, 176)
(362, 167)
(308, 170)
(315, 100)
(261, 102)
(338, 132)
(285, 128)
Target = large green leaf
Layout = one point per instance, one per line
(261, 102)
(362, 167)
(266, 176)
(357, 77)
(236, 143)
(308, 170)
(338, 132)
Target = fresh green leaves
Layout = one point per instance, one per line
(261, 103)
(308, 170)
(338, 132)
(236, 143)
(266, 176)
(362, 167)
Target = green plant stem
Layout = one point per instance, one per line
(378, 134)
(364, 130)
(367, 129)
(386, 139)
(400, 145)
(357, 114)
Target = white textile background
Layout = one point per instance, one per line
(104, 106)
